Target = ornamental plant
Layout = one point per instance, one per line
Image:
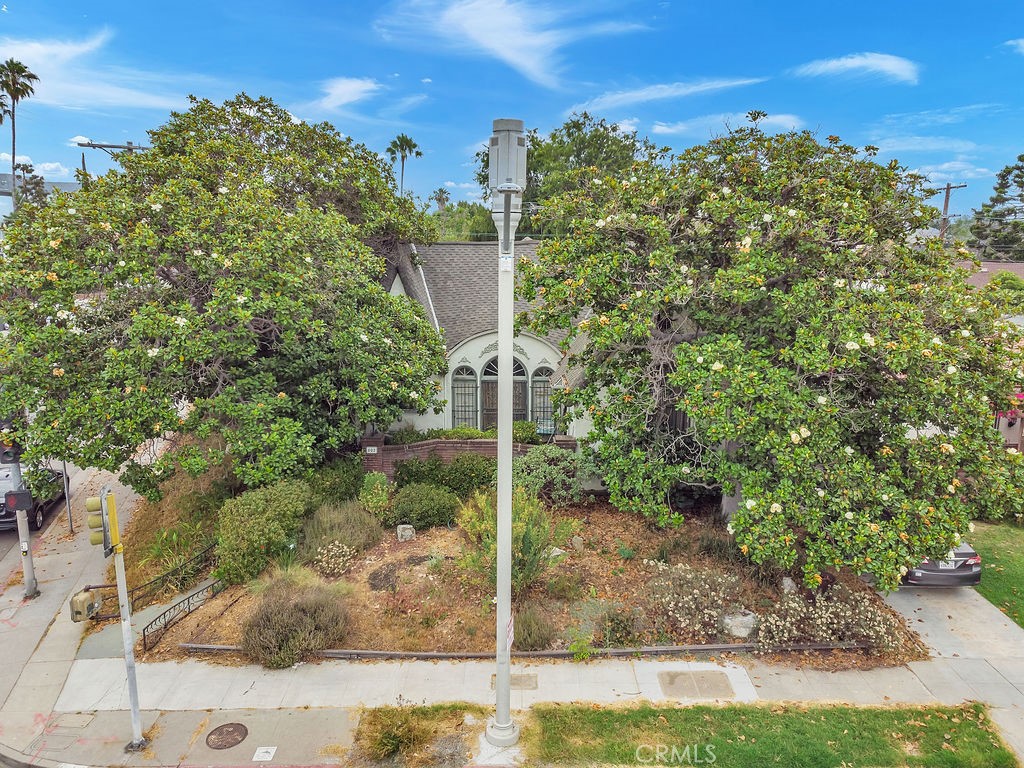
(757, 315)
(225, 280)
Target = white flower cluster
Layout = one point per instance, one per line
(694, 599)
(333, 559)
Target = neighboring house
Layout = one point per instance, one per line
(457, 285)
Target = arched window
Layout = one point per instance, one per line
(540, 401)
(464, 410)
(489, 393)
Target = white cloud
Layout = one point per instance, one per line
(403, 105)
(885, 65)
(718, 123)
(426, 80)
(527, 36)
(461, 185)
(5, 160)
(629, 125)
(74, 141)
(930, 117)
(924, 144)
(954, 170)
(72, 75)
(1017, 44)
(52, 170)
(660, 92)
(342, 91)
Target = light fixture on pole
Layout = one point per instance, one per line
(507, 180)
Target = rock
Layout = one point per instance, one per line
(406, 533)
(556, 553)
(788, 585)
(740, 624)
(578, 543)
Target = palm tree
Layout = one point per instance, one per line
(16, 81)
(402, 147)
(441, 197)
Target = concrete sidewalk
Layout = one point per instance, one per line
(65, 702)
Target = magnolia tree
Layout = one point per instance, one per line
(224, 281)
(755, 315)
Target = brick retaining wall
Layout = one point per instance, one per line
(378, 457)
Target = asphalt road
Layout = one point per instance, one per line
(9, 539)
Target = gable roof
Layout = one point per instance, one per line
(457, 283)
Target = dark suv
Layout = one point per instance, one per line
(47, 486)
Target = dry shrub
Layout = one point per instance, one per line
(533, 630)
(297, 616)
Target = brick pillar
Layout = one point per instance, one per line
(373, 452)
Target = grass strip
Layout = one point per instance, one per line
(765, 735)
(1002, 562)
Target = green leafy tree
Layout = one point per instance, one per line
(226, 280)
(998, 228)
(401, 148)
(441, 197)
(465, 222)
(754, 317)
(32, 186)
(1008, 289)
(554, 162)
(17, 83)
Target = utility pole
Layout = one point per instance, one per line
(109, 148)
(945, 211)
(507, 181)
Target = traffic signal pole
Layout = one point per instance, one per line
(103, 521)
(24, 538)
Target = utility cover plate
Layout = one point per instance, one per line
(226, 736)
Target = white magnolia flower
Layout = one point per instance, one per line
(805, 432)
(717, 366)
(936, 341)
(729, 529)
(197, 251)
(848, 451)
(970, 527)
(795, 437)
(72, 211)
(241, 299)
(839, 283)
(1012, 451)
(153, 351)
(791, 211)
(947, 448)
(822, 400)
(852, 346)
(387, 341)
(156, 206)
(746, 241)
(846, 205)
(414, 395)
(951, 369)
(309, 259)
(950, 489)
(700, 359)
(726, 190)
(776, 508)
(686, 470)
(885, 497)
(965, 333)
(751, 503)
(121, 263)
(181, 321)
(903, 570)
(364, 337)
(222, 190)
(766, 218)
(597, 182)
(821, 493)
(848, 515)
(600, 223)
(869, 339)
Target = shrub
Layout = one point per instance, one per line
(565, 586)
(533, 630)
(621, 627)
(460, 433)
(533, 537)
(551, 473)
(835, 616)
(429, 470)
(524, 432)
(172, 549)
(720, 548)
(692, 599)
(375, 495)
(258, 525)
(422, 505)
(466, 472)
(294, 619)
(469, 471)
(346, 523)
(338, 481)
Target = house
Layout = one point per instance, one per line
(457, 285)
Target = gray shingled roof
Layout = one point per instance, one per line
(462, 281)
(990, 269)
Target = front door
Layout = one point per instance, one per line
(489, 403)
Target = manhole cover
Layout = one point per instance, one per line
(226, 736)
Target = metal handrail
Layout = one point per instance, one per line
(153, 631)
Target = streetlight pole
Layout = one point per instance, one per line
(507, 171)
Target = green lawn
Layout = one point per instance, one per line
(756, 735)
(1002, 566)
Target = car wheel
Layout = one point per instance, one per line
(37, 520)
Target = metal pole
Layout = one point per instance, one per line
(138, 743)
(507, 177)
(24, 538)
(67, 497)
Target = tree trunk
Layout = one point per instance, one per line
(401, 182)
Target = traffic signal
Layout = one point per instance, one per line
(15, 500)
(10, 451)
(102, 520)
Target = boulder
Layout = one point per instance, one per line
(578, 543)
(406, 533)
(788, 585)
(739, 624)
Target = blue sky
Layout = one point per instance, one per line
(938, 85)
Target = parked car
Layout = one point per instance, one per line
(960, 568)
(47, 486)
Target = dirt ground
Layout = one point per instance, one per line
(415, 596)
